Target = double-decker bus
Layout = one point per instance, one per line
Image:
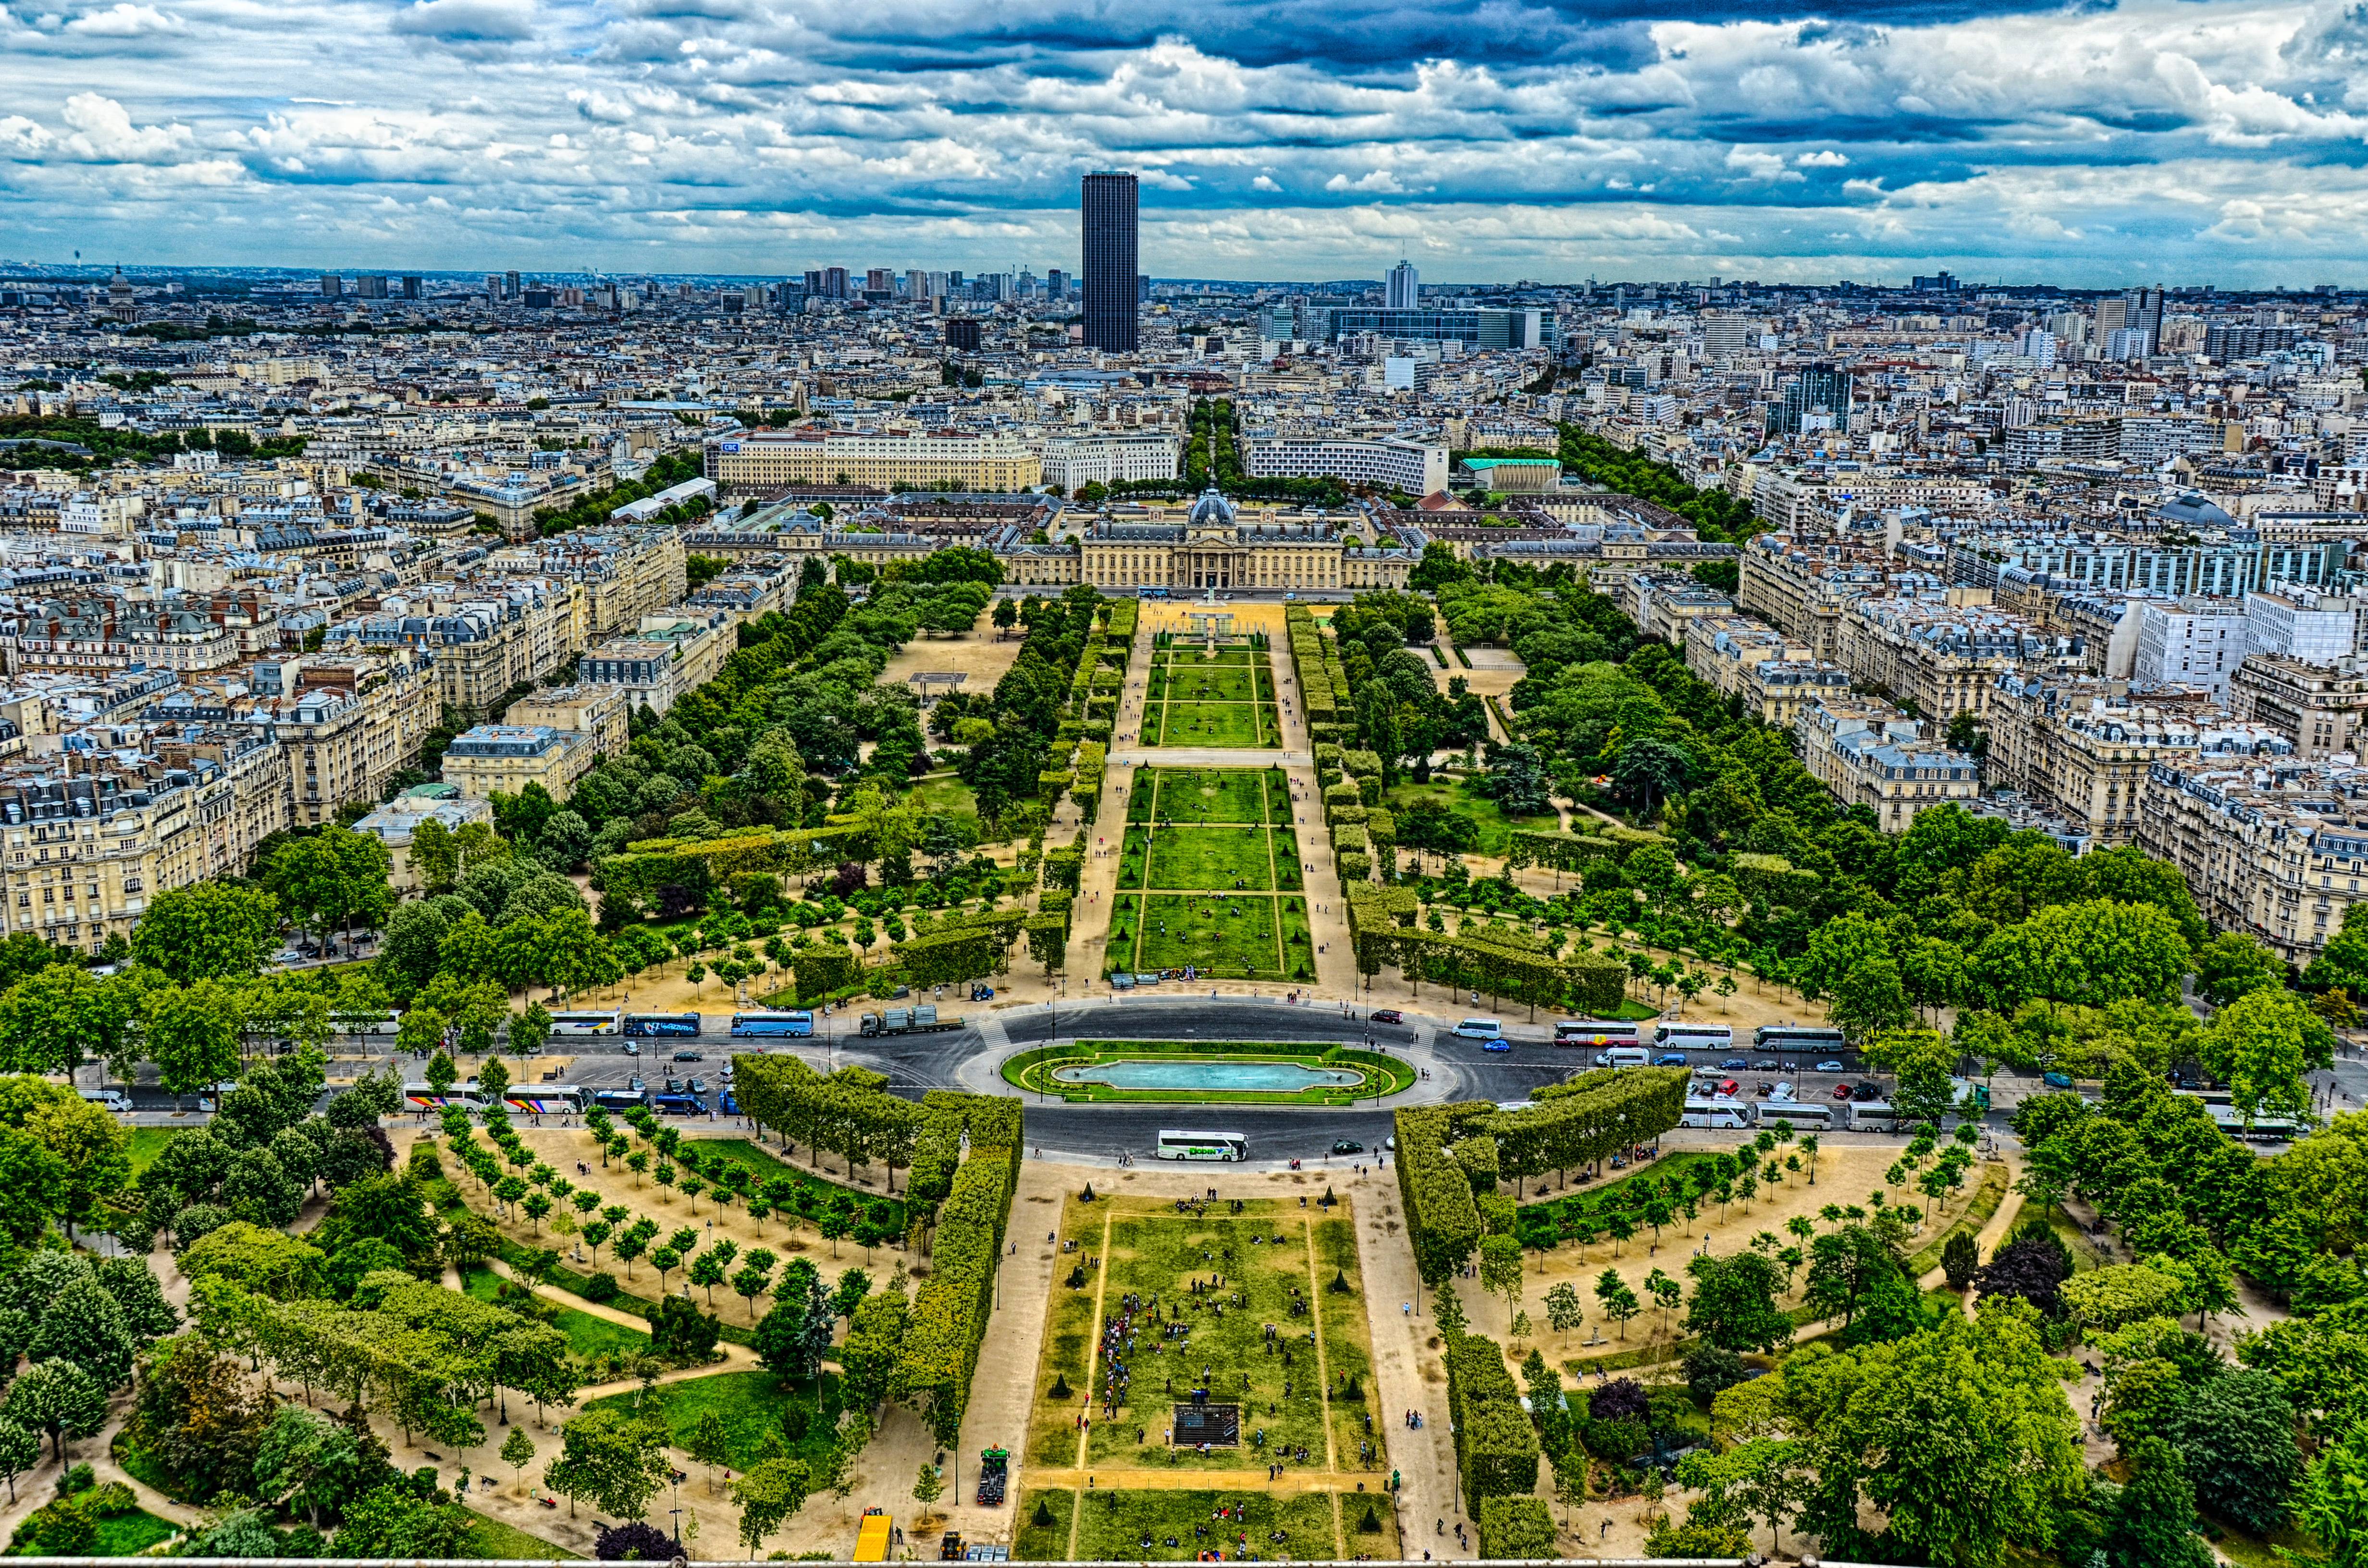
(661, 1025)
(1181, 1145)
(792, 1025)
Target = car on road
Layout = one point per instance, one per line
(1863, 1093)
(1841, 1091)
(1347, 1146)
(674, 1086)
(636, 1085)
(633, 1048)
(1829, 1067)
(1388, 1016)
(697, 1085)
(1734, 1064)
(1767, 1064)
(1498, 1044)
(1670, 1058)
(688, 1056)
(2057, 1080)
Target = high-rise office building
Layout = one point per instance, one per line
(916, 284)
(331, 286)
(879, 279)
(511, 286)
(1110, 257)
(1406, 283)
(371, 285)
(2142, 313)
(411, 289)
(1818, 400)
(1056, 284)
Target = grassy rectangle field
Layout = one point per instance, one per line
(1223, 936)
(1194, 795)
(492, 1540)
(131, 1534)
(750, 1404)
(1134, 1526)
(1042, 1535)
(1228, 725)
(1224, 857)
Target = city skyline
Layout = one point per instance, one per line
(2210, 143)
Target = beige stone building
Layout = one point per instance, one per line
(2322, 708)
(1802, 590)
(1868, 753)
(914, 459)
(1937, 660)
(2268, 844)
(1216, 543)
(396, 822)
(2084, 749)
(598, 711)
(486, 760)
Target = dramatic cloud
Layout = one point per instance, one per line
(2218, 140)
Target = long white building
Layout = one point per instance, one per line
(1072, 461)
(1411, 466)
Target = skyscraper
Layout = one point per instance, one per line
(1406, 283)
(1110, 255)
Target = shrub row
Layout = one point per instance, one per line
(1496, 1445)
(938, 1356)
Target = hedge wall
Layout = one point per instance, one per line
(1587, 1118)
(699, 866)
(1442, 1222)
(1354, 866)
(1495, 1446)
(1516, 1527)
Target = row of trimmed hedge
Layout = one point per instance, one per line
(1496, 1445)
(938, 1356)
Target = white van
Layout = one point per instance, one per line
(1480, 1028)
(107, 1099)
(1624, 1056)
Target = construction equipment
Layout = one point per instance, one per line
(922, 1020)
(994, 1473)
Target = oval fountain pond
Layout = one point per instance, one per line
(1212, 1077)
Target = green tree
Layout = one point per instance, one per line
(2234, 964)
(331, 880)
(708, 1445)
(1563, 1311)
(517, 1452)
(769, 1495)
(2154, 1518)
(59, 1397)
(21, 1451)
(193, 1036)
(55, 1020)
(2262, 1044)
(1617, 1300)
(928, 1486)
(1869, 998)
(2237, 1431)
(1733, 1305)
(1500, 1268)
(614, 1461)
(207, 931)
(529, 1031)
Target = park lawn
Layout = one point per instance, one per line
(147, 1142)
(1348, 1355)
(1298, 939)
(1134, 849)
(1223, 935)
(493, 1540)
(948, 795)
(1457, 798)
(1210, 683)
(1287, 877)
(1047, 1542)
(1155, 1254)
(1189, 650)
(1152, 713)
(130, 1534)
(1125, 924)
(1068, 1339)
(587, 1335)
(1226, 858)
(1221, 724)
(1113, 1523)
(749, 1404)
(1195, 795)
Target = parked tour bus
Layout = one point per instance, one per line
(1807, 1039)
(366, 1023)
(793, 1025)
(422, 1096)
(108, 1099)
(1179, 1145)
(1730, 1114)
(1693, 1037)
(605, 1024)
(544, 1099)
(678, 1105)
(1596, 1033)
(661, 1025)
(1804, 1116)
(619, 1099)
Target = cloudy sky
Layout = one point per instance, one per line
(2197, 141)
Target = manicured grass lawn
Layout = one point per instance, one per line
(128, 1535)
(750, 1404)
(1048, 1541)
(586, 1335)
(1114, 1525)
(1211, 795)
(1227, 724)
(492, 1540)
(813, 1190)
(948, 795)
(1200, 683)
(1224, 936)
(1459, 798)
(1226, 858)
(147, 1142)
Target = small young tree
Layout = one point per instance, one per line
(517, 1452)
